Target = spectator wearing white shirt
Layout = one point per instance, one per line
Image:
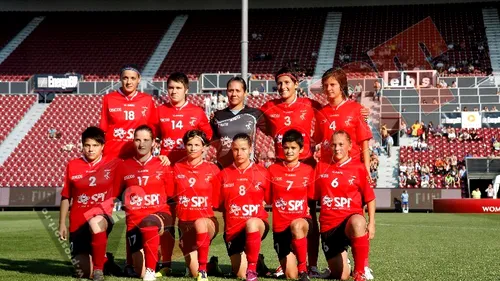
(490, 191)
(424, 181)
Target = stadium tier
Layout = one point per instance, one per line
(378, 34)
(96, 45)
(10, 24)
(210, 41)
(12, 110)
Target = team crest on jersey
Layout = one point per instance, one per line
(184, 200)
(348, 121)
(119, 132)
(226, 141)
(144, 111)
(208, 178)
(257, 186)
(351, 181)
(83, 198)
(234, 209)
(107, 173)
(306, 182)
(159, 174)
(279, 138)
(249, 125)
(193, 121)
(135, 200)
(303, 116)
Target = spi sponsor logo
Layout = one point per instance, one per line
(290, 206)
(146, 200)
(247, 210)
(336, 202)
(93, 199)
(123, 134)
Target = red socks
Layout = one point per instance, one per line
(252, 249)
(300, 247)
(99, 241)
(150, 242)
(360, 250)
(203, 244)
(167, 242)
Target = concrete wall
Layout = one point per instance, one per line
(124, 5)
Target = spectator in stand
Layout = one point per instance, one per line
(439, 165)
(378, 90)
(402, 128)
(358, 89)
(490, 191)
(389, 143)
(414, 128)
(430, 130)
(410, 167)
(476, 194)
(451, 134)
(474, 135)
(403, 168)
(496, 145)
(402, 180)
(424, 181)
(419, 145)
(485, 109)
(52, 133)
(418, 168)
(494, 109)
(67, 147)
(462, 173)
(376, 148)
(425, 169)
(412, 180)
(449, 181)
(432, 183)
(465, 109)
(454, 84)
(255, 92)
(261, 88)
(464, 136)
(454, 161)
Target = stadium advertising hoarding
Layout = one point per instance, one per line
(467, 206)
(30, 197)
(451, 119)
(490, 119)
(56, 82)
(410, 79)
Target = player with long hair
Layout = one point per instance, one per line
(195, 193)
(176, 117)
(234, 119)
(343, 187)
(88, 187)
(292, 185)
(244, 187)
(145, 185)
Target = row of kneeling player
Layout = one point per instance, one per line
(240, 191)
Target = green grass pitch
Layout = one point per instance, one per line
(406, 247)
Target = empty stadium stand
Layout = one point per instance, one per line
(94, 44)
(366, 28)
(210, 42)
(11, 23)
(12, 110)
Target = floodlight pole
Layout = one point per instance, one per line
(244, 39)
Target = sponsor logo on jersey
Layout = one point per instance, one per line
(129, 105)
(128, 177)
(146, 200)
(168, 143)
(249, 125)
(118, 109)
(246, 210)
(83, 198)
(163, 120)
(289, 206)
(277, 179)
(77, 177)
(275, 115)
(226, 185)
(336, 202)
(121, 133)
(181, 176)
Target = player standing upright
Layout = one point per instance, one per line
(195, 193)
(123, 111)
(145, 184)
(234, 119)
(88, 185)
(176, 118)
(341, 113)
(292, 185)
(244, 187)
(342, 186)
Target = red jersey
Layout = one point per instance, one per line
(145, 187)
(345, 116)
(341, 189)
(194, 190)
(242, 196)
(90, 187)
(120, 116)
(175, 122)
(298, 115)
(290, 190)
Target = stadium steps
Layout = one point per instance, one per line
(19, 38)
(326, 53)
(163, 47)
(21, 130)
(492, 24)
(388, 169)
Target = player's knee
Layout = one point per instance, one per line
(201, 225)
(151, 220)
(298, 227)
(357, 225)
(98, 224)
(254, 224)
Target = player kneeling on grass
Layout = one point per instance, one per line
(342, 186)
(194, 191)
(291, 186)
(88, 184)
(243, 188)
(145, 184)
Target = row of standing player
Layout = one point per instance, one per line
(121, 108)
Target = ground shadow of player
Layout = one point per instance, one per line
(50, 267)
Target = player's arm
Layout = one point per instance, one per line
(366, 154)
(153, 119)
(318, 133)
(267, 189)
(64, 208)
(371, 219)
(204, 125)
(217, 198)
(103, 124)
(262, 123)
(368, 196)
(169, 182)
(263, 109)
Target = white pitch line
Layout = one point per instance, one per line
(438, 226)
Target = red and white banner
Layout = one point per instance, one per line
(481, 206)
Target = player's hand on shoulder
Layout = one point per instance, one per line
(164, 161)
(63, 231)
(371, 230)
